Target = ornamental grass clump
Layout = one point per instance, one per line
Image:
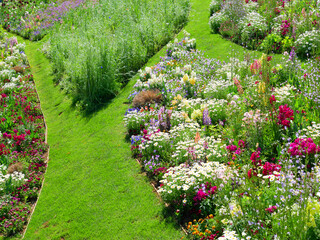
(126, 35)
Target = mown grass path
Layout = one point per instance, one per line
(93, 189)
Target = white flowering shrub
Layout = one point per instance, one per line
(187, 44)
(252, 6)
(6, 74)
(308, 43)
(190, 186)
(15, 179)
(156, 143)
(313, 132)
(12, 60)
(229, 235)
(216, 20)
(177, 118)
(284, 94)
(195, 107)
(252, 27)
(218, 88)
(135, 120)
(184, 131)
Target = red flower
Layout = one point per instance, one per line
(272, 99)
(285, 115)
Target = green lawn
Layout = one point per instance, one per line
(93, 189)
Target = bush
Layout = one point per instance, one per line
(308, 44)
(272, 43)
(216, 20)
(215, 6)
(234, 9)
(1, 33)
(228, 29)
(253, 28)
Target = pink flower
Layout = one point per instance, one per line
(303, 147)
(200, 195)
(272, 99)
(285, 115)
(269, 168)
(271, 209)
(255, 158)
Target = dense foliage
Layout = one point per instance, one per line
(234, 147)
(22, 138)
(271, 26)
(33, 19)
(97, 48)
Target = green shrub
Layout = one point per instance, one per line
(1, 33)
(215, 6)
(308, 43)
(272, 43)
(228, 29)
(216, 20)
(253, 28)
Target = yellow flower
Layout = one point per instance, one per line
(262, 87)
(197, 114)
(192, 81)
(185, 78)
(174, 102)
(185, 115)
(179, 97)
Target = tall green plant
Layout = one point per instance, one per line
(98, 49)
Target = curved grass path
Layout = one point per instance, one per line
(93, 189)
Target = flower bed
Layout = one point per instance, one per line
(22, 139)
(33, 19)
(270, 26)
(233, 147)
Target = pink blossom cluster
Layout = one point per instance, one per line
(271, 209)
(285, 115)
(234, 150)
(304, 147)
(201, 194)
(285, 26)
(268, 168)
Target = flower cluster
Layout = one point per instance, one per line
(32, 19)
(235, 145)
(275, 27)
(285, 115)
(303, 147)
(22, 139)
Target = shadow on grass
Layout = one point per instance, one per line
(169, 217)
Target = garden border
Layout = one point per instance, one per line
(46, 161)
(160, 198)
